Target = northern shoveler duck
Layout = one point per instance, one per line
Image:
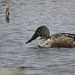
(65, 40)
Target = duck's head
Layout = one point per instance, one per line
(42, 32)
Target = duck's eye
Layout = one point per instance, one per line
(38, 30)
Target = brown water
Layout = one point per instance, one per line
(25, 17)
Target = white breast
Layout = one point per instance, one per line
(44, 43)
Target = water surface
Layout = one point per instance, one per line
(25, 17)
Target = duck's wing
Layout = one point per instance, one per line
(72, 36)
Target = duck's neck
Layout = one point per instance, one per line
(46, 37)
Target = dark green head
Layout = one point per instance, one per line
(42, 32)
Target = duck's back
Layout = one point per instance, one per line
(68, 35)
